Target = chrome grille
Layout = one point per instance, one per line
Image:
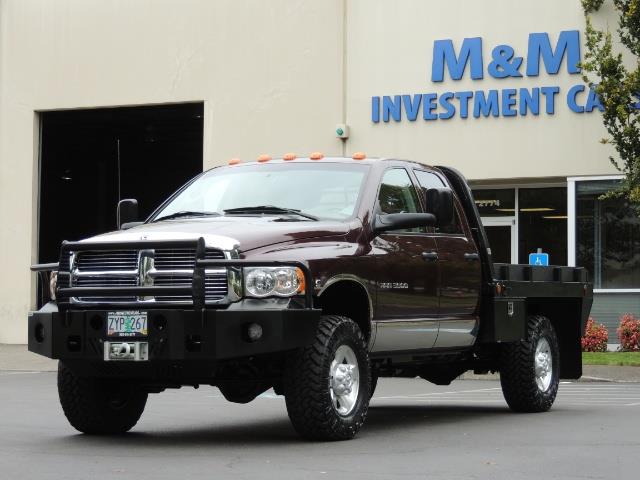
(110, 281)
(181, 259)
(214, 255)
(108, 260)
(171, 267)
(215, 285)
(178, 259)
(173, 280)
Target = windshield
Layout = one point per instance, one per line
(328, 191)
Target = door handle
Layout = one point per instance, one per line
(430, 256)
(471, 257)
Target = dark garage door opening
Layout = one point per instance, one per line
(91, 159)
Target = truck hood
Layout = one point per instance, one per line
(227, 233)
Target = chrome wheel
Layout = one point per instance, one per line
(543, 364)
(344, 380)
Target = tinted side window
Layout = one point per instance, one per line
(431, 180)
(397, 194)
(428, 179)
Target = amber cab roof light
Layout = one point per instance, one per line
(359, 156)
(234, 161)
(264, 158)
(316, 156)
(289, 156)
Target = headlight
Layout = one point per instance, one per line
(269, 281)
(53, 283)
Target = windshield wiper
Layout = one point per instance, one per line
(187, 213)
(270, 209)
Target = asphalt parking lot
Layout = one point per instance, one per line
(414, 430)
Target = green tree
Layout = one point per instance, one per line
(618, 87)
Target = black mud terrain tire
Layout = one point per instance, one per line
(374, 384)
(97, 406)
(327, 384)
(529, 371)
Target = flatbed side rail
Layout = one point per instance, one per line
(534, 273)
(542, 281)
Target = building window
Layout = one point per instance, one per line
(519, 221)
(495, 202)
(542, 223)
(607, 236)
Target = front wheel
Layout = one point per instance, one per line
(530, 369)
(374, 384)
(99, 406)
(328, 383)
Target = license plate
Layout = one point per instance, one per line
(127, 324)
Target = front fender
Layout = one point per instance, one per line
(330, 263)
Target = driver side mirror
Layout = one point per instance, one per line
(402, 221)
(440, 204)
(127, 213)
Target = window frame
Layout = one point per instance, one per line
(376, 207)
(464, 227)
(571, 225)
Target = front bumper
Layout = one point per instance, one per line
(173, 334)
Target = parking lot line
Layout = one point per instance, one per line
(569, 394)
(417, 395)
(17, 372)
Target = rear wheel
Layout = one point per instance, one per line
(99, 406)
(327, 384)
(529, 372)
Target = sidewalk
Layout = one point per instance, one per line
(18, 358)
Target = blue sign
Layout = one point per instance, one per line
(540, 259)
(541, 55)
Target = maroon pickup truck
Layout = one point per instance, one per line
(312, 276)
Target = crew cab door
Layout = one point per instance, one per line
(407, 272)
(460, 274)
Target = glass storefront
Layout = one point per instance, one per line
(538, 215)
(542, 223)
(607, 236)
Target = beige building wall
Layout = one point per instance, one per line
(390, 49)
(274, 77)
(269, 73)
